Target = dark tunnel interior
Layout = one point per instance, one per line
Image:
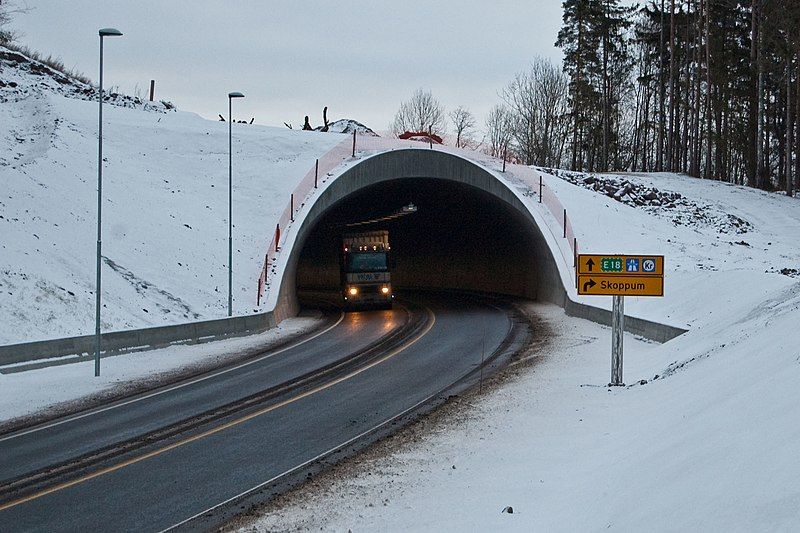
(460, 237)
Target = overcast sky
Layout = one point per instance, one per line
(291, 58)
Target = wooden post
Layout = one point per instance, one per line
(277, 237)
(505, 154)
(291, 207)
(316, 174)
(430, 135)
(152, 89)
(565, 223)
(354, 143)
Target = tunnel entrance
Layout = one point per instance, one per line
(460, 237)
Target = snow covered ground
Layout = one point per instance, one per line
(165, 208)
(704, 438)
(708, 442)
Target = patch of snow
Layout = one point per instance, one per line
(165, 208)
(669, 204)
(348, 125)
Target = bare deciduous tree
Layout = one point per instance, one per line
(463, 126)
(420, 113)
(8, 8)
(538, 101)
(499, 126)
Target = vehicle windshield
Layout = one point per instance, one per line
(367, 262)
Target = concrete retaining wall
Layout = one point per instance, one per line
(138, 339)
(637, 326)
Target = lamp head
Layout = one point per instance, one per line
(235, 94)
(109, 32)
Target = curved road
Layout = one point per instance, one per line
(188, 455)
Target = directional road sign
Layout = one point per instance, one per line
(621, 265)
(591, 284)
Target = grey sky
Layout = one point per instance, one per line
(291, 58)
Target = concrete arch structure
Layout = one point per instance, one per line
(547, 280)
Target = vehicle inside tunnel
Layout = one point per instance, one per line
(460, 237)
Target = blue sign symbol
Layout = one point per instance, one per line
(649, 265)
(632, 265)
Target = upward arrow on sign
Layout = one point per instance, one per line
(620, 264)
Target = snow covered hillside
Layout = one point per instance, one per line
(704, 437)
(165, 207)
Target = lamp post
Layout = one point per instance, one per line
(104, 32)
(231, 96)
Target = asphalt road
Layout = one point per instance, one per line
(157, 460)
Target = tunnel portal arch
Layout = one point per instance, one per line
(426, 170)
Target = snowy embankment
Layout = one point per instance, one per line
(165, 207)
(704, 437)
(64, 388)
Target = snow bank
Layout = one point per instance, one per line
(703, 438)
(165, 210)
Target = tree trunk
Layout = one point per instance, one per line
(789, 130)
(707, 170)
(797, 131)
(671, 130)
(687, 92)
(753, 117)
(760, 178)
(696, 145)
(606, 111)
(662, 96)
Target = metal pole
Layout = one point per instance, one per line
(291, 207)
(354, 143)
(565, 223)
(152, 89)
(574, 251)
(230, 206)
(617, 330)
(540, 189)
(316, 174)
(99, 218)
(505, 154)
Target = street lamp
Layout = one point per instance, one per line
(231, 96)
(104, 32)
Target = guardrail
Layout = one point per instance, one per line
(135, 339)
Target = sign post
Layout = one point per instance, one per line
(617, 329)
(619, 275)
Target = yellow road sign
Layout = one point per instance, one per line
(621, 265)
(604, 285)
